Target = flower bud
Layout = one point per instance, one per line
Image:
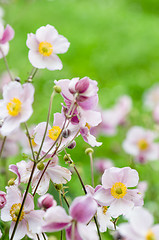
(82, 85)
(11, 182)
(17, 79)
(57, 89)
(46, 201)
(66, 133)
(89, 150)
(40, 166)
(58, 187)
(67, 158)
(72, 145)
(2, 199)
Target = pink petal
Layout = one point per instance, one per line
(32, 42)
(29, 203)
(59, 174)
(46, 33)
(8, 34)
(120, 206)
(60, 45)
(103, 196)
(53, 62)
(35, 220)
(5, 49)
(83, 209)
(20, 231)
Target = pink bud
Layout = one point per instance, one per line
(82, 85)
(2, 199)
(46, 201)
(8, 35)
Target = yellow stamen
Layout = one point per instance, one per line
(104, 208)
(33, 142)
(118, 190)
(45, 49)
(14, 212)
(54, 132)
(150, 235)
(88, 126)
(143, 144)
(14, 107)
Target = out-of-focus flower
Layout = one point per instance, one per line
(139, 142)
(2, 199)
(151, 97)
(16, 106)
(30, 219)
(140, 226)
(113, 117)
(6, 35)
(43, 47)
(81, 212)
(101, 164)
(115, 191)
(4, 79)
(46, 201)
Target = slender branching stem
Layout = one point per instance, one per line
(92, 168)
(2, 147)
(30, 142)
(6, 64)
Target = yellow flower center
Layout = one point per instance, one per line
(14, 107)
(143, 144)
(118, 190)
(45, 49)
(14, 212)
(33, 142)
(104, 208)
(150, 235)
(54, 132)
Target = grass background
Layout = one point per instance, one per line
(115, 42)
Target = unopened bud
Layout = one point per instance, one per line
(40, 166)
(58, 187)
(46, 201)
(2, 199)
(17, 79)
(57, 89)
(89, 150)
(72, 145)
(67, 157)
(11, 182)
(66, 133)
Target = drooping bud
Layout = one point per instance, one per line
(46, 201)
(11, 182)
(2, 199)
(66, 133)
(40, 166)
(72, 145)
(57, 89)
(89, 150)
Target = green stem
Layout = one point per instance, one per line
(2, 147)
(6, 64)
(30, 142)
(92, 170)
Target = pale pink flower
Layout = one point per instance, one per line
(46, 201)
(5, 36)
(151, 97)
(142, 187)
(123, 107)
(81, 212)
(140, 143)
(115, 190)
(16, 106)
(43, 47)
(2, 199)
(101, 164)
(140, 226)
(83, 90)
(156, 114)
(30, 220)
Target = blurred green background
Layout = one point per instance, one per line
(115, 42)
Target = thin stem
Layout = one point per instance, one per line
(32, 74)
(30, 142)
(65, 200)
(6, 64)
(61, 235)
(2, 147)
(73, 231)
(37, 236)
(24, 198)
(44, 236)
(92, 170)
(47, 123)
(95, 220)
